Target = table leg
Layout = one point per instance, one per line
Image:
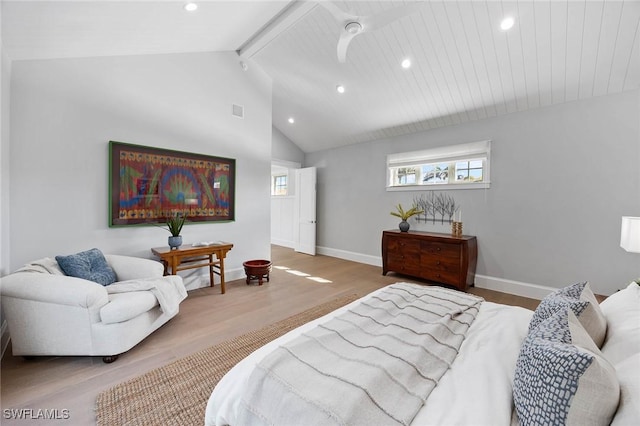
(222, 274)
(174, 265)
(211, 270)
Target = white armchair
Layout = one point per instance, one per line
(49, 313)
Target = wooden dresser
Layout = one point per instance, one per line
(436, 257)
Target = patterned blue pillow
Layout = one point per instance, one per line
(581, 300)
(89, 265)
(561, 376)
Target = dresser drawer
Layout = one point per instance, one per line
(446, 277)
(443, 264)
(404, 246)
(409, 265)
(441, 269)
(439, 249)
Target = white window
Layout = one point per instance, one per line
(464, 166)
(279, 185)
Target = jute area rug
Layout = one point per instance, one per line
(177, 393)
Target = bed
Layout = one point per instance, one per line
(509, 365)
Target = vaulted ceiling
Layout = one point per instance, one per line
(463, 66)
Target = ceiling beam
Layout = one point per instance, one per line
(288, 16)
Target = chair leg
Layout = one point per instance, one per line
(109, 359)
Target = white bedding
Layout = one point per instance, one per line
(475, 391)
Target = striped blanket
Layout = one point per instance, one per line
(376, 364)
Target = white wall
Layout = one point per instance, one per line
(282, 209)
(562, 178)
(284, 149)
(286, 156)
(282, 206)
(5, 76)
(63, 114)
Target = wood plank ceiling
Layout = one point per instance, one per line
(464, 67)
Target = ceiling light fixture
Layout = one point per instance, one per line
(340, 88)
(190, 7)
(406, 63)
(507, 23)
(291, 120)
(353, 27)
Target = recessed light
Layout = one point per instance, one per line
(291, 120)
(190, 7)
(340, 88)
(507, 23)
(406, 63)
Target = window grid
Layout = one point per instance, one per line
(279, 185)
(467, 171)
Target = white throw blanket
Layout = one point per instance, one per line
(375, 364)
(168, 290)
(46, 265)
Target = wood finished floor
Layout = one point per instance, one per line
(206, 318)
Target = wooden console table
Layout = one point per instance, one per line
(188, 257)
(432, 256)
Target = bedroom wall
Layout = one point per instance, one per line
(284, 149)
(286, 156)
(63, 114)
(5, 76)
(562, 178)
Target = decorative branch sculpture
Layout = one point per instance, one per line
(436, 204)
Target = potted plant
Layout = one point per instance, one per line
(404, 215)
(174, 225)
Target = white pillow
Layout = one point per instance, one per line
(622, 311)
(628, 372)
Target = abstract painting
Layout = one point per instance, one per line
(147, 185)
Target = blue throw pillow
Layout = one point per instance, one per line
(89, 265)
(581, 300)
(561, 377)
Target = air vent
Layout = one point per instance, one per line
(238, 111)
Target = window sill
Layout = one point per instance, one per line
(442, 187)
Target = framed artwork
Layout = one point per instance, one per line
(147, 185)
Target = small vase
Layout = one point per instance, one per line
(175, 242)
(404, 226)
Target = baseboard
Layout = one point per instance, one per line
(349, 255)
(518, 288)
(4, 340)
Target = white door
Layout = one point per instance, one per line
(305, 211)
